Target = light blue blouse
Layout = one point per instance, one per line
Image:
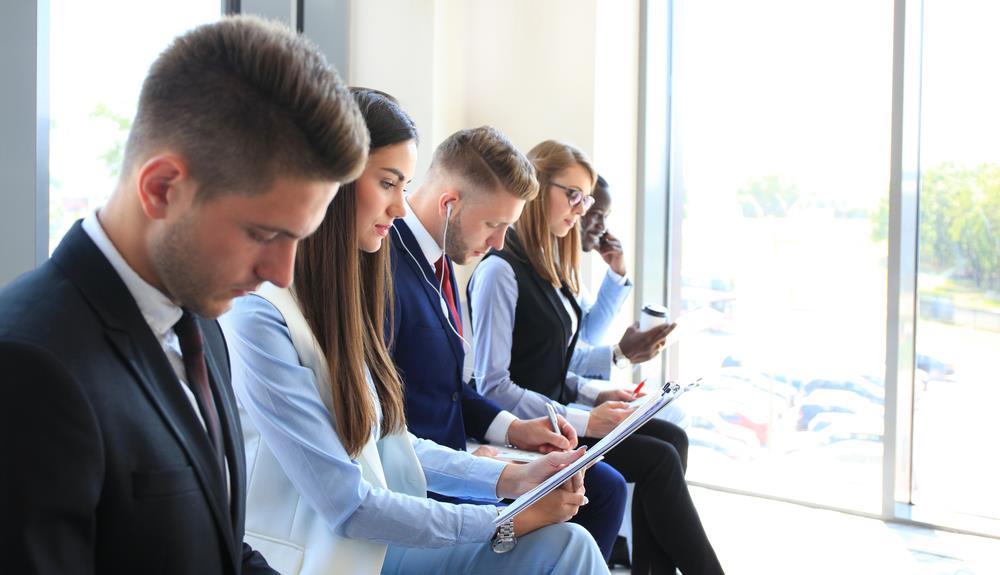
(280, 396)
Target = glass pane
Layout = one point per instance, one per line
(958, 328)
(99, 53)
(782, 119)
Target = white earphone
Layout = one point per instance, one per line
(439, 288)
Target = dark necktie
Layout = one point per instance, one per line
(193, 350)
(441, 272)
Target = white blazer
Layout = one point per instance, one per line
(280, 523)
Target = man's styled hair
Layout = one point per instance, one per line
(245, 101)
(487, 161)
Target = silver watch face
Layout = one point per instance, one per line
(503, 544)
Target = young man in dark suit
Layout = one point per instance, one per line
(119, 433)
(475, 189)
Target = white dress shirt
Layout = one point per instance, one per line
(159, 312)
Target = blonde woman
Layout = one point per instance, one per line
(525, 323)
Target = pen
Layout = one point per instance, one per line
(552, 418)
(638, 388)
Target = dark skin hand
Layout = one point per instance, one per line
(611, 251)
(639, 346)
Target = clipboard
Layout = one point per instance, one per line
(627, 427)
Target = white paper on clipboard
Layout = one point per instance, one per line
(627, 427)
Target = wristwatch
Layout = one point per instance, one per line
(504, 539)
(621, 360)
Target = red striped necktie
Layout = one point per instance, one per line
(444, 277)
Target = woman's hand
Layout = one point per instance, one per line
(486, 451)
(561, 504)
(517, 478)
(618, 394)
(606, 416)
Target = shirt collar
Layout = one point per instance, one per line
(159, 312)
(428, 245)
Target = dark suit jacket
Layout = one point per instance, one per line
(439, 405)
(106, 467)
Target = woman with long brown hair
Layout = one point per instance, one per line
(525, 322)
(336, 483)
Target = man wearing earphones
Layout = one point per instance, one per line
(475, 189)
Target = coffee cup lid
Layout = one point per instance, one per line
(655, 310)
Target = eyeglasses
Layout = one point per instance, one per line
(575, 196)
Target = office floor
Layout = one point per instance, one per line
(759, 536)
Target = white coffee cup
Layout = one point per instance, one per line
(653, 315)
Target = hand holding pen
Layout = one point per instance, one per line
(541, 435)
(620, 394)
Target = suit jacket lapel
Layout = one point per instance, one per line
(129, 333)
(423, 269)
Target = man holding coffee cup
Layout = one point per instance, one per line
(641, 341)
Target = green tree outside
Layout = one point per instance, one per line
(959, 223)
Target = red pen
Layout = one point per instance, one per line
(638, 388)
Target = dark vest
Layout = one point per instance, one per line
(539, 357)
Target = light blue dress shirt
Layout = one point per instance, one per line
(590, 357)
(281, 398)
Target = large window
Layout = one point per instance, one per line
(958, 329)
(100, 52)
(782, 116)
(793, 238)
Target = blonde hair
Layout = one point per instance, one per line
(557, 260)
(487, 161)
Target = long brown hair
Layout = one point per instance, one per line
(346, 296)
(550, 158)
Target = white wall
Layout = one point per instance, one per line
(392, 48)
(563, 69)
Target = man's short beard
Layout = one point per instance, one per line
(174, 259)
(454, 244)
